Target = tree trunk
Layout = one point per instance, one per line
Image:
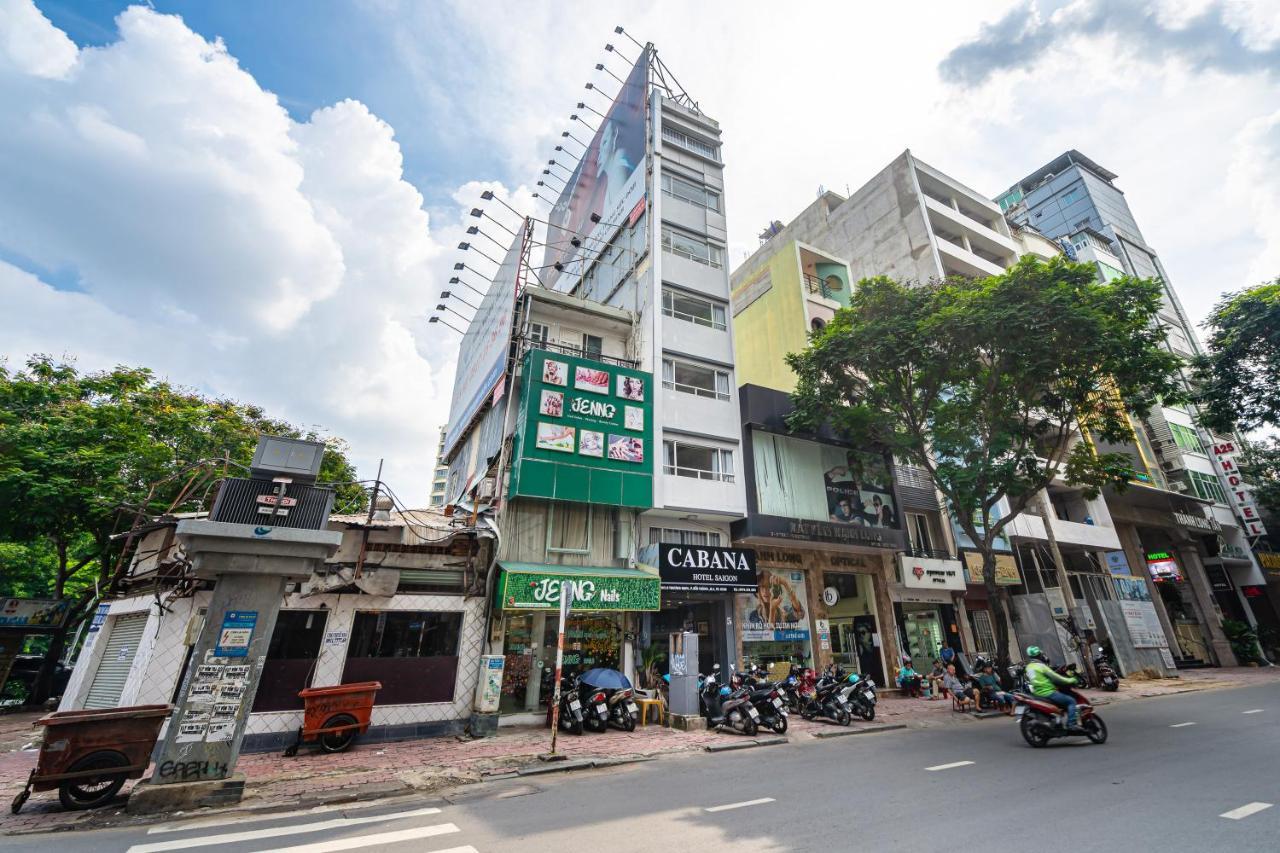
(999, 610)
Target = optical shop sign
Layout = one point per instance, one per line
(537, 591)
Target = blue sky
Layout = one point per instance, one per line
(195, 185)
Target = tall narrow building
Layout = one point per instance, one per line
(1189, 526)
(609, 427)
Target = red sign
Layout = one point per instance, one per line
(1253, 591)
(270, 500)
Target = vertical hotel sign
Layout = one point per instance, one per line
(482, 355)
(1226, 458)
(607, 183)
(585, 432)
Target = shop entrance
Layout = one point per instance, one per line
(921, 634)
(855, 635)
(701, 617)
(591, 639)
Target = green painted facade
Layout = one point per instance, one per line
(584, 433)
(528, 586)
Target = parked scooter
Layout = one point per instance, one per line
(765, 697)
(1108, 678)
(570, 718)
(859, 692)
(624, 713)
(595, 706)
(726, 709)
(797, 687)
(827, 701)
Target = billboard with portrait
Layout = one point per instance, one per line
(482, 355)
(608, 182)
(797, 478)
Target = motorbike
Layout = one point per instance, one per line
(827, 701)
(571, 717)
(765, 697)
(796, 687)
(1040, 720)
(726, 709)
(859, 692)
(1108, 678)
(595, 702)
(624, 713)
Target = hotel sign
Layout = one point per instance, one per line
(1226, 459)
(703, 568)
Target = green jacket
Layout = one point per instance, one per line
(1044, 680)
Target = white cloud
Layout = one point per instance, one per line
(216, 240)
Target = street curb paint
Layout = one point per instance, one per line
(867, 731)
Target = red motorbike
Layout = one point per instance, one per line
(1041, 720)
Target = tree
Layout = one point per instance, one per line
(1260, 467)
(1239, 380)
(984, 383)
(82, 455)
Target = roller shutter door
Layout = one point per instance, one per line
(122, 645)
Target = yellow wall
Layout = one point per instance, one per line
(773, 325)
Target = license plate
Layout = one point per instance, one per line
(575, 705)
(777, 703)
(633, 708)
(755, 715)
(1020, 711)
(602, 710)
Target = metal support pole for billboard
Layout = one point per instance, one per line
(566, 601)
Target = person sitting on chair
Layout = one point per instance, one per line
(960, 692)
(909, 680)
(990, 689)
(935, 680)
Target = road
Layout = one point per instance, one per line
(1190, 772)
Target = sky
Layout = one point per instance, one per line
(261, 201)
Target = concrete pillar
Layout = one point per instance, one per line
(1189, 558)
(1137, 559)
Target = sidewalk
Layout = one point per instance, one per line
(367, 772)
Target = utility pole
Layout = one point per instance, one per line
(1064, 584)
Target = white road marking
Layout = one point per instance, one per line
(275, 831)
(1181, 725)
(741, 805)
(200, 823)
(380, 838)
(1245, 811)
(949, 766)
(1254, 711)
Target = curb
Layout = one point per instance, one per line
(570, 766)
(744, 744)
(888, 727)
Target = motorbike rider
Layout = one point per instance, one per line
(1044, 682)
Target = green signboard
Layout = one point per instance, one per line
(585, 432)
(593, 589)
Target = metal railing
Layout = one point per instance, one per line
(818, 286)
(695, 390)
(929, 553)
(578, 352)
(696, 473)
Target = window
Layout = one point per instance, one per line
(1109, 273)
(697, 461)
(414, 653)
(674, 536)
(690, 192)
(693, 309)
(569, 528)
(695, 379)
(291, 657)
(817, 324)
(1185, 437)
(692, 248)
(539, 333)
(689, 143)
(983, 637)
(592, 346)
(918, 532)
(1207, 487)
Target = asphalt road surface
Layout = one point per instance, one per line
(1194, 772)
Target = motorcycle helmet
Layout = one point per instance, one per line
(1034, 653)
(725, 691)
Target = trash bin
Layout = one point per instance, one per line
(88, 755)
(334, 715)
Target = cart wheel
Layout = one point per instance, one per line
(89, 792)
(18, 801)
(338, 741)
(291, 750)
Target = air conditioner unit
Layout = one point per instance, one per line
(1177, 486)
(1172, 465)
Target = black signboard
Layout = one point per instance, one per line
(705, 568)
(804, 530)
(1219, 581)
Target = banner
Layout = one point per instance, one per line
(42, 613)
(777, 611)
(608, 182)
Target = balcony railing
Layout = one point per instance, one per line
(929, 553)
(578, 352)
(819, 287)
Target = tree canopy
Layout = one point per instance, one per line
(985, 384)
(81, 452)
(1239, 379)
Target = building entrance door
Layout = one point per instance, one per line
(922, 631)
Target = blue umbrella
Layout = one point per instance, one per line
(606, 679)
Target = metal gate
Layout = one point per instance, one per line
(117, 659)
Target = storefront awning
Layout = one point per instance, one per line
(536, 586)
(899, 593)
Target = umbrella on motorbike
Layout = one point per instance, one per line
(605, 679)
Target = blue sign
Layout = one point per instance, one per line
(1117, 563)
(236, 634)
(99, 617)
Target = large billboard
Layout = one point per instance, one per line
(608, 182)
(482, 355)
(796, 478)
(585, 432)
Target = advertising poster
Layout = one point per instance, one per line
(608, 182)
(33, 612)
(1131, 589)
(777, 611)
(1144, 625)
(482, 355)
(796, 478)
